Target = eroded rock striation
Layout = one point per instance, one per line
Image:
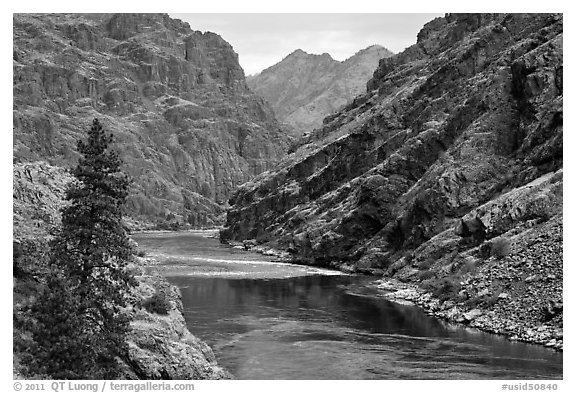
(449, 166)
(187, 126)
(304, 88)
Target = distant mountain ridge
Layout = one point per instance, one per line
(303, 88)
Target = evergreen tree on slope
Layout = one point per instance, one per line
(81, 324)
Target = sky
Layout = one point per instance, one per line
(262, 40)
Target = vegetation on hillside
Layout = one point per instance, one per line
(78, 323)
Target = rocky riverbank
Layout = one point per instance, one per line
(253, 246)
(491, 321)
(477, 304)
(160, 344)
(516, 291)
(518, 295)
(446, 175)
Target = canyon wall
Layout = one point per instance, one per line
(447, 172)
(186, 124)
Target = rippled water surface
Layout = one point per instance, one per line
(278, 321)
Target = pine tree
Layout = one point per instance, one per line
(81, 326)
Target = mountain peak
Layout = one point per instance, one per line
(301, 54)
(298, 53)
(373, 49)
(304, 88)
(326, 56)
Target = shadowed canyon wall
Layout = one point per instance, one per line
(447, 174)
(459, 136)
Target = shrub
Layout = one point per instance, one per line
(474, 302)
(157, 303)
(442, 288)
(499, 248)
(168, 226)
(140, 253)
(429, 284)
(426, 264)
(426, 274)
(487, 301)
(484, 250)
(491, 301)
(468, 265)
(447, 289)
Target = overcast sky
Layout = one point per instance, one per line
(262, 40)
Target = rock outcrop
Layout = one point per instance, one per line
(160, 345)
(304, 88)
(38, 196)
(451, 160)
(186, 124)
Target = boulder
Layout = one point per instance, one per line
(473, 314)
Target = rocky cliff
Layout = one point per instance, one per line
(304, 88)
(187, 126)
(160, 344)
(447, 172)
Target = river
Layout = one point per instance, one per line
(269, 320)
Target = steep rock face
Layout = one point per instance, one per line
(457, 141)
(38, 196)
(187, 126)
(161, 346)
(303, 88)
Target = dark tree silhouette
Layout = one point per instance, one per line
(81, 323)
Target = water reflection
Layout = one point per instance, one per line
(314, 326)
(320, 327)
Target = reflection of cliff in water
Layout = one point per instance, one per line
(326, 327)
(362, 312)
(341, 316)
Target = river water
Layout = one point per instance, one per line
(278, 321)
